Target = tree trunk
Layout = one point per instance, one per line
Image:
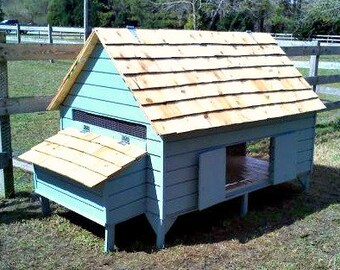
(194, 17)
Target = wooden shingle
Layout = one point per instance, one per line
(87, 158)
(189, 80)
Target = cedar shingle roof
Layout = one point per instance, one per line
(191, 80)
(87, 158)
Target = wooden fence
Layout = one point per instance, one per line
(50, 33)
(53, 32)
(321, 38)
(8, 105)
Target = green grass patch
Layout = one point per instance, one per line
(34, 78)
(323, 58)
(23, 181)
(328, 123)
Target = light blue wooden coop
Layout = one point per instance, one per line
(156, 122)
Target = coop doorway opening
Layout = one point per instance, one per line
(247, 163)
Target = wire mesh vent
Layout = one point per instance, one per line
(110, 123)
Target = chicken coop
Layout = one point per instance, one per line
(158, 122)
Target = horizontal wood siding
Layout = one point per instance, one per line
(305, 149)
(84, 201)
(155, 184)
(181, 164)
(112, 109)
(125, 194)
(101, 90)
(214, 139)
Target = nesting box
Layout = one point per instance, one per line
(157, 122)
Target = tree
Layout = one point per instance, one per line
(216, 12)
(26, 11)
(1, 11)
(188, 8)
(259, 11)
(139, 13)
(65, 13)
(303, 17)
(319, 17)
(283, 18)
(100, 13)
(235, 20)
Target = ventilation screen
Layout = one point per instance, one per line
(110, 123)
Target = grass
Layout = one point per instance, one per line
(45, 81)
(323, 58)
(285, 228)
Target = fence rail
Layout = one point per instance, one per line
(9, 105)
(18, 52)
(321, 38)
(29, 28)
(78, 32)
(49, 32)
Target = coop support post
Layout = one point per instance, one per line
(6, 173)
(305, 181)
(160, 237)
(45, 206)
(314, 64)
(109, 238)
(244, 205)
(162, 229)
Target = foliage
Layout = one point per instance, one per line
(301, 17)
(26, 11)
(234, 21)
(65, 13)
(319, 17)
(1, 11)
(283, 17)
(190, 14)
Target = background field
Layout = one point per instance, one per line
(285, 228)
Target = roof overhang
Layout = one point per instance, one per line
(74, 72)
(87, 158)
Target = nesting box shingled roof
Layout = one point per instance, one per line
(88, 158)
(193, 80)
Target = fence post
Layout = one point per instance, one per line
(86, 20)
(50, 37)
(6, 173)
(314, 64)
(49, 34)
(18, 33)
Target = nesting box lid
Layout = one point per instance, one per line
(193, 80)
(87, 158)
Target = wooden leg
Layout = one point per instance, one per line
(244, 205)
(160, 227)
(109, 238)
(160, 238)
(305, 181)
(45, 206)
